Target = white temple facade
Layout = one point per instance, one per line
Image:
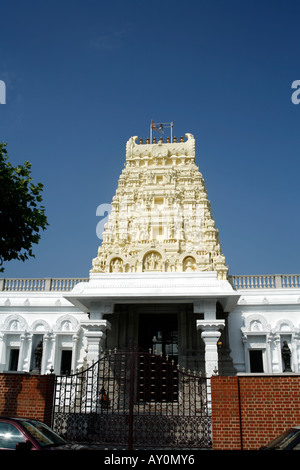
(159, 281)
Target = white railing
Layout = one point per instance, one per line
(46, 284)
(266, 281)
(263, 281)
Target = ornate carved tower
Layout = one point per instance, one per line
(161, 218)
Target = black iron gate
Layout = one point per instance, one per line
(134, 400)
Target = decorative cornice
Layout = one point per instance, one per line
(210, 325)
(160, 149)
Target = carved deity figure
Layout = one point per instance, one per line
(286, 354)
(38, 355)
(117, 265)
(189, 264)
(152, 262)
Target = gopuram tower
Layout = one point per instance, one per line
(161, 218)
(159, 280)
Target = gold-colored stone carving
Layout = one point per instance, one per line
(160, 218)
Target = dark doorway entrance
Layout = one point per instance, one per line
(159, 333)
(157, 379)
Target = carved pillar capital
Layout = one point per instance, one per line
(94, 332)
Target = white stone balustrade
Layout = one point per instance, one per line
(273, 281)
(263, 281)
(40, 285)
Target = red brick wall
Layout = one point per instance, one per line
(249, 411)
(26, 395)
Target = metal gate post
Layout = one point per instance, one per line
(131, 400)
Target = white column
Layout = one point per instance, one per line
(53, 354)
(294, 361)
(46, 357)
(210, 327)
(94, 329)
(210, 335)
(297, 344)
(29, 353)
(2, 351)
(269, 354)
(94, 334)
(75, 339)
(246, 352)
(22, 359)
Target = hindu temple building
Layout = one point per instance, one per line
(159, 282)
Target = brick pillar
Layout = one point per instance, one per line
(27, 395)
(226, 429)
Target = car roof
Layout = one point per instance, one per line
(18, 418)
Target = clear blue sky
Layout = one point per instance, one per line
(82, 76)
